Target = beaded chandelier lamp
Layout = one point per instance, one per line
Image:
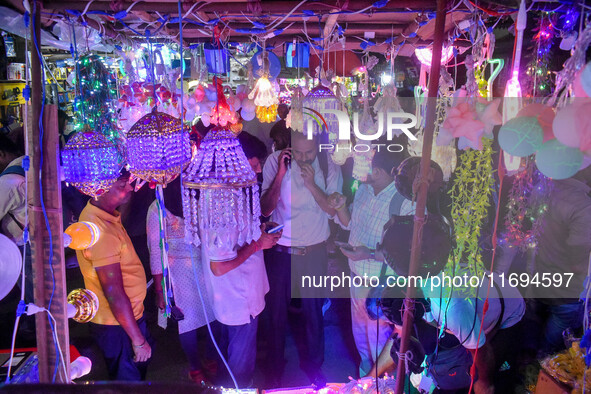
(91, 163)
(227, 203)
(157, 148)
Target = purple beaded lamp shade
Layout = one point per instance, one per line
(91, 163)
(157, 148)
(227, 204)
(319, 99)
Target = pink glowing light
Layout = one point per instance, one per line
(426, 54)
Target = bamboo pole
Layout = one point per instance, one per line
(419, 220)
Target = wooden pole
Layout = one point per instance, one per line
(43, 263)
(425, 167)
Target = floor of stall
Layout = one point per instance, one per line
(169, 363)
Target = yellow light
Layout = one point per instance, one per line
(82, 305)
(82, 235)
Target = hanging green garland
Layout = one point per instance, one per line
(470, 194)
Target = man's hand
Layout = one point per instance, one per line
(284, 157)
(142, 353)
(337, 201)
(160, 299)
(481, 387)
(357, 253)
(267, 241)
(308, 175)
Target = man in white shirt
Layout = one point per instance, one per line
(13, 203)
(12, 191)
(370, 211)
(296, 185)
(238, 289)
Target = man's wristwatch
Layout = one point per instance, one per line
(372, 254)
(140, 346)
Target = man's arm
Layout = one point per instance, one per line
(319, 196)
(270, 196)
(321, 199)
(112, 283)
(266, 241)
(385, 361)
(219, 268)
(484, 363)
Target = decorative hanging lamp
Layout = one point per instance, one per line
(264, 95)
(158, 149)
(91, 163)
(319, 99)
(227, 204)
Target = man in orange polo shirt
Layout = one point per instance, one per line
(112, 270)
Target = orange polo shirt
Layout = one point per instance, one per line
(112, 247)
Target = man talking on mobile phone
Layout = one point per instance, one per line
(296, 184)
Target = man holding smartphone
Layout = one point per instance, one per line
(296, 185)
(365, 218)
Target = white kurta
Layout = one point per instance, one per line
(184, 284)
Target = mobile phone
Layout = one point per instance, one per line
(344, 245)
(176, 313)
(287, 160)
(274, 229)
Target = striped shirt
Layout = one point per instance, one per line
(369, 214)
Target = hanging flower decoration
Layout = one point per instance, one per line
(470, 194)
(265, 99)
(470, 121)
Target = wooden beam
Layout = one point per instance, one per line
(49, 274)
(277, 6)
(398, 27)
(425, 167)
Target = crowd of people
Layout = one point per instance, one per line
(302, 189)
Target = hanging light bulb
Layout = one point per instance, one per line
(82, 305)
(265, 99)
(81, 235)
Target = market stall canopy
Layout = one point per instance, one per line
(329, 25)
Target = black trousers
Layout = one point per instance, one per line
(283, 270)
(118, 350)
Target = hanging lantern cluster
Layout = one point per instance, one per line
(157, 148)
(227, 203)
(91, 163)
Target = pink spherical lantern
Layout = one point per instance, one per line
(565, 127)
(545, 116)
